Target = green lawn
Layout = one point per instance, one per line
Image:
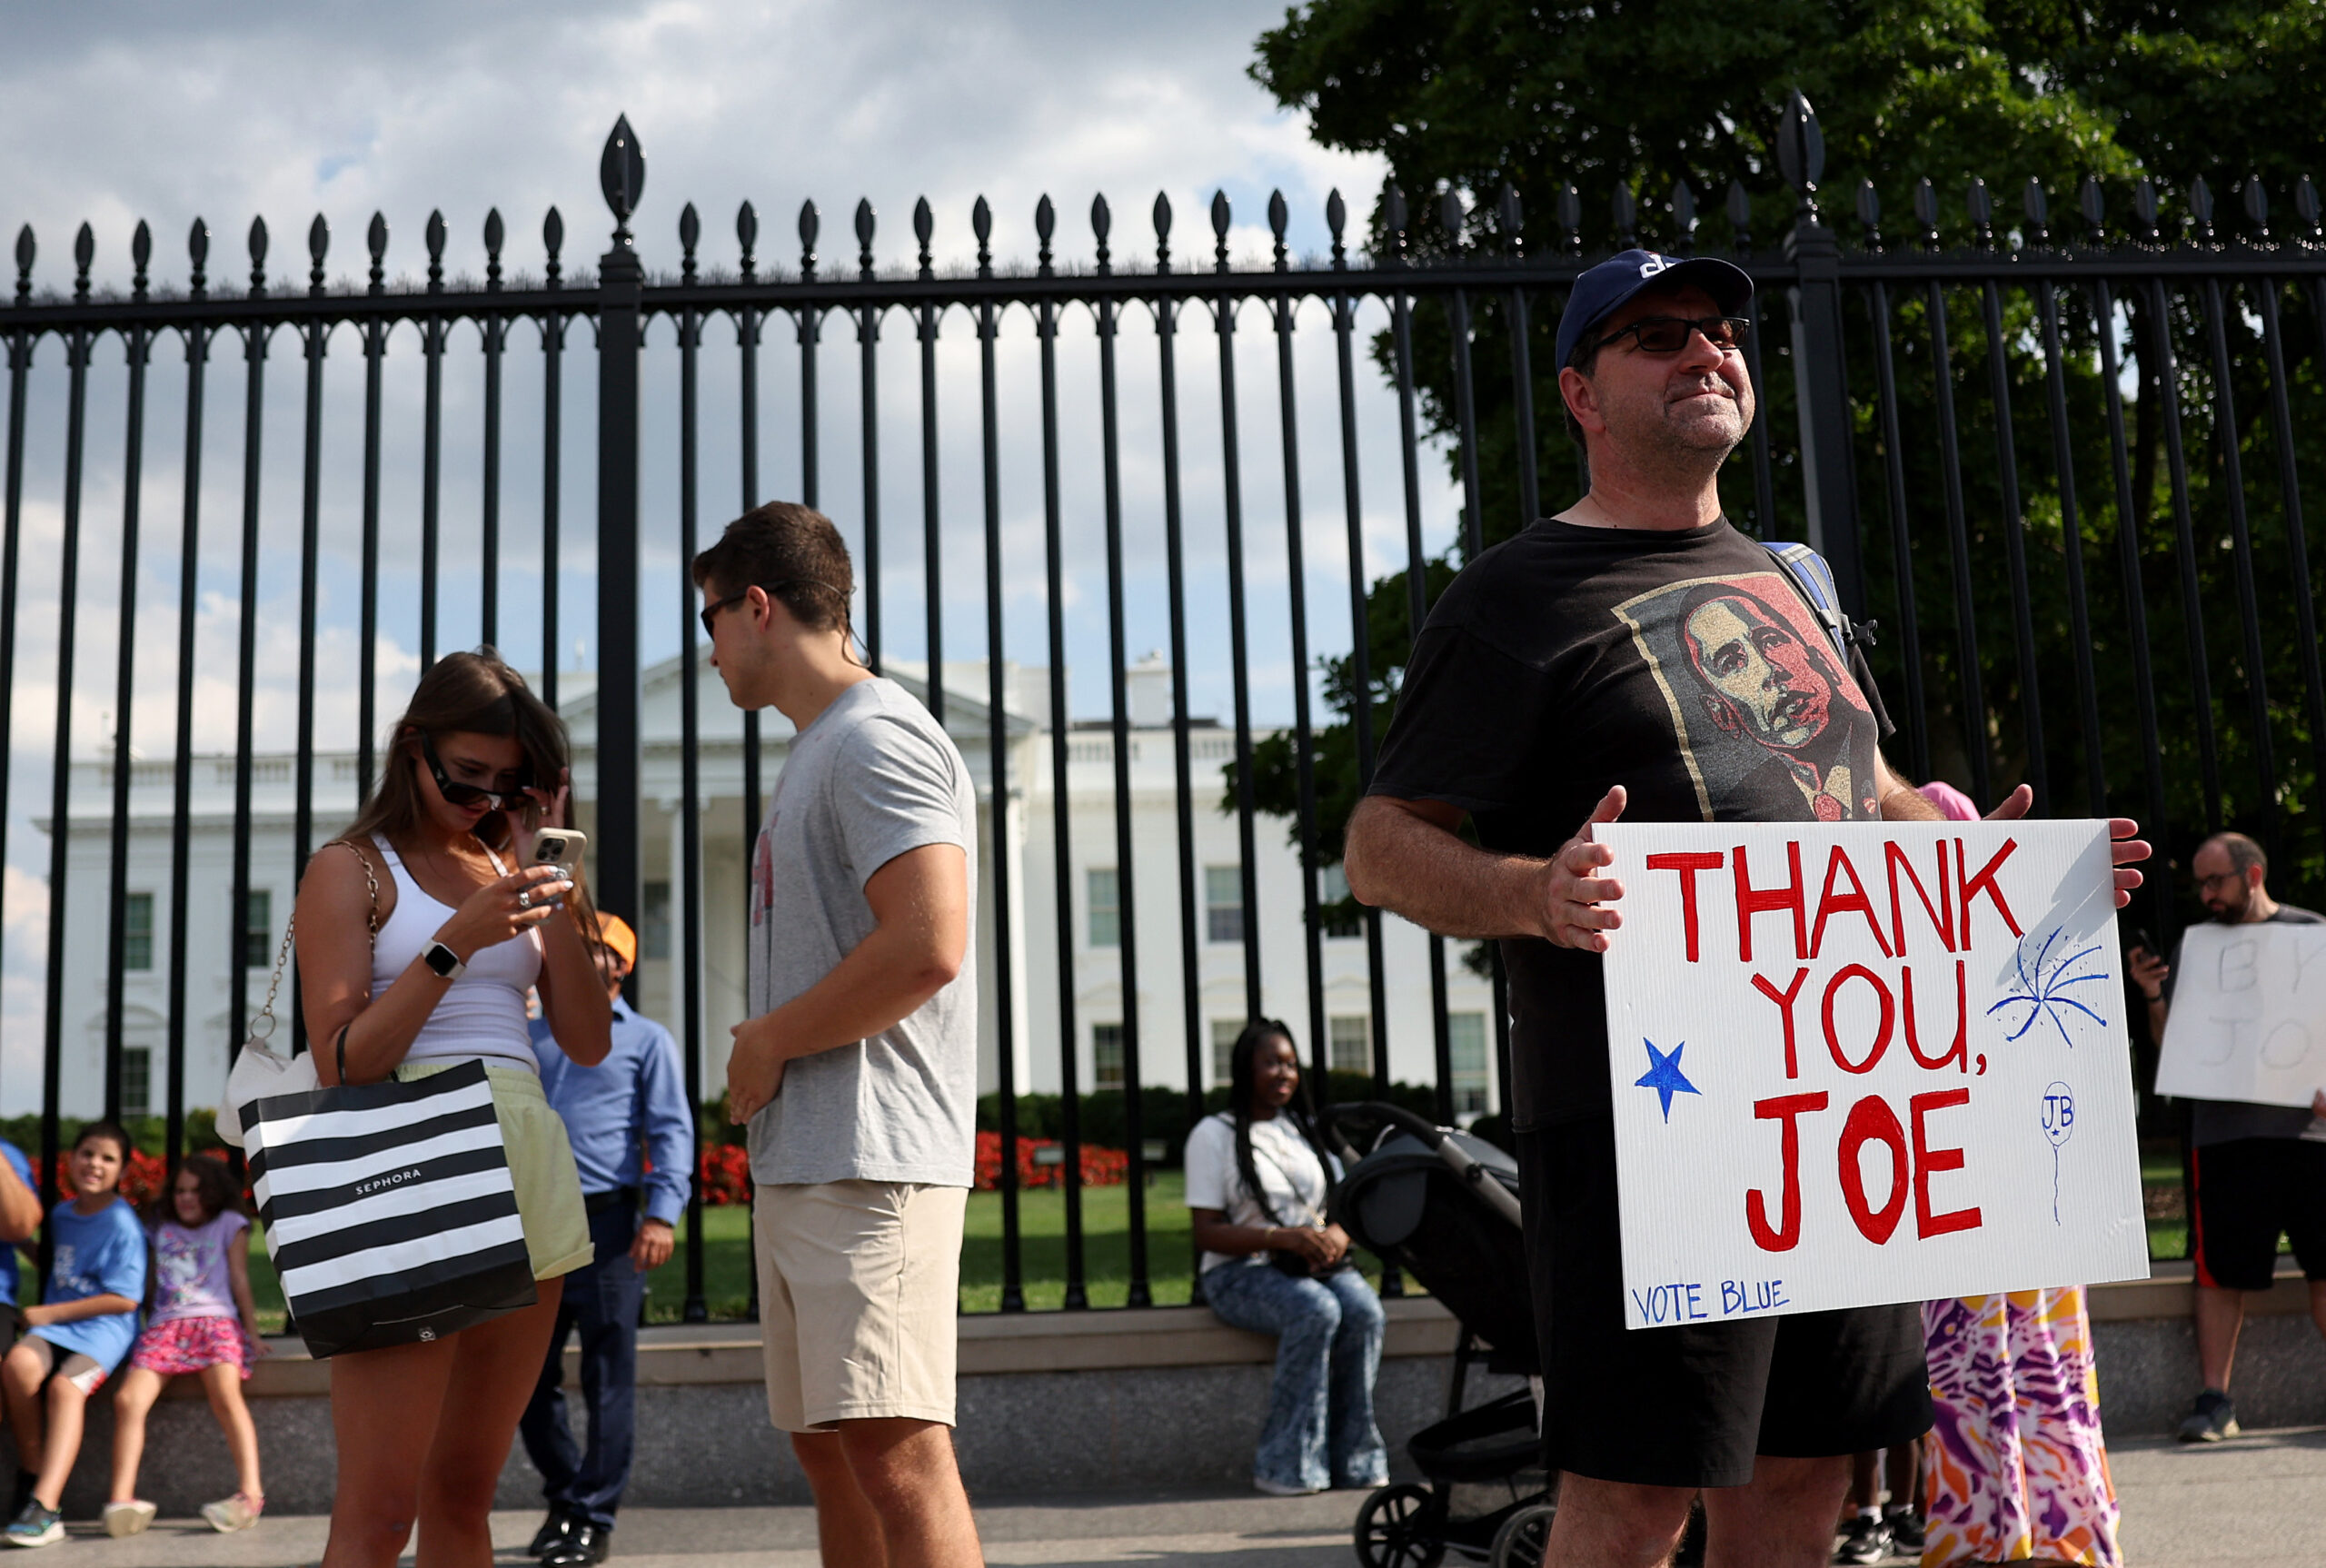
(1106, 1239)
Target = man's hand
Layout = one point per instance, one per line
(2149, 972)
(754, 1070)
(2125, 849)
(651, 1248)
(1575, 895)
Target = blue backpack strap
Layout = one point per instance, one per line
(1815, 581)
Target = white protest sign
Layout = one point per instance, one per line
(1861, 1063)
(2249, 1015)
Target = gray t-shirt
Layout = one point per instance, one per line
(872, 778)
(2226, 1121)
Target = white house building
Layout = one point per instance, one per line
(1092, 955)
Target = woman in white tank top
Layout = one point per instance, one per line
(465, 927)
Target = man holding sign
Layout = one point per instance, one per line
(1636, 656)
(2255, 1170)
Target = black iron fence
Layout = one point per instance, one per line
(2063, 464)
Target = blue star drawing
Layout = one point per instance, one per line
(2043, 992)
(1663, 1074)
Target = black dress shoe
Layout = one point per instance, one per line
(554, 1533)
(585, 1545)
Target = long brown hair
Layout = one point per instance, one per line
(472, 693)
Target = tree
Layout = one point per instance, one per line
(1657, 95)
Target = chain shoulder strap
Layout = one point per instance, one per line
(263, 1027)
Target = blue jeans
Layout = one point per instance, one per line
(602, 1302)
(1320, 1429)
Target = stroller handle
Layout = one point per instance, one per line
(1492, 1193)
(1396, 1116)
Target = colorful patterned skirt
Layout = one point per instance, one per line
(2014, 1467)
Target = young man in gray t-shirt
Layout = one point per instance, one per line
(857, 1070)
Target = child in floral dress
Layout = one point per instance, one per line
(203, 1324)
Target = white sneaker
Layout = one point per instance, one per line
(1279, 1489)
(128, 1518)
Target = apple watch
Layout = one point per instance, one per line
(440, 958)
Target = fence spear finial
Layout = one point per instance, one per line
(318, 247)
(1801, 151)
(141, 252)
(2094, 201)
(1683, 219)
(924, 224)
(258, 257)
(864, 222)
(25, 251)
(553, 242)
(496, 234)
(1279, 216)
(197, 250)
(1869, 215)
(433, 236)
(622, 176)
(85, 251)
(747, 240)
(1336, 223)
(1102, 224)
(811, 224)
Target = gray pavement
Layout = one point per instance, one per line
(2257, 1501)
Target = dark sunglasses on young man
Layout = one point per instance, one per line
(1670, 334)
(710, 612)
(459, 794)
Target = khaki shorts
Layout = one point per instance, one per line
(859, 1287)
(541, 1165)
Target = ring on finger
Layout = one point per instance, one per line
(525, 899)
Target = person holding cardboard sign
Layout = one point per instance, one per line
(1637, 654)
(2254, 1170)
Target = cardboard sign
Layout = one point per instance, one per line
(1859, 1063)
(2249, 1015)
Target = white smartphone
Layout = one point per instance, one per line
(562, 847)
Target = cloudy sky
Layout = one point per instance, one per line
(168, 112)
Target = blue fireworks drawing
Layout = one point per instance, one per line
(2044, 991)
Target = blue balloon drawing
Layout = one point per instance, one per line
(2059, 1125)
(2044, 988)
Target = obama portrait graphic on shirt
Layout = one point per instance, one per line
(1771, 724)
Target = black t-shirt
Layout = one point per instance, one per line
(2226, 1121)
(1685, 666)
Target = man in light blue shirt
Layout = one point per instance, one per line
(633, 1143)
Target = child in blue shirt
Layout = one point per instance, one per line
(85, 1324)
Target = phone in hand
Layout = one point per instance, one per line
(2142, 942)
(562, 847)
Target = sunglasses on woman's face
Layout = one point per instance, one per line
(458, 794)
(1670, 334)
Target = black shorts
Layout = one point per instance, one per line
(2247, 1191)
(1691, 1405)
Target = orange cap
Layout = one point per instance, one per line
(615, 932)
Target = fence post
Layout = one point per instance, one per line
(621, 175)
(1818, 380)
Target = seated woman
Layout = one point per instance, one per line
(1258, 1179)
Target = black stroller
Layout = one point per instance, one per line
(1443, 1207)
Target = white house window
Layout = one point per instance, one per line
(1350, 1043)
(1465, 1035)
(654, 920)
(1105, 894)
(136, 1080)
(1224, 1032)
(1223, 903)
(137, 932)
(258, 929)
(1333, 888)
(1105, 1056)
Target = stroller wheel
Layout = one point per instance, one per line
(1524, 1538)
(1400, 1527)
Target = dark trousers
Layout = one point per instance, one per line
(602, 1302)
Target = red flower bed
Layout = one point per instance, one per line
(1101, 1167)
(724, 1175)
(142, 1181)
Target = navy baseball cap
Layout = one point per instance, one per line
(1600, 291)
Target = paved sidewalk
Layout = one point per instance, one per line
(2257, 1501)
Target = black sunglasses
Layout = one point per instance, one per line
(458, 794)
(711, 611)
(1670, 334)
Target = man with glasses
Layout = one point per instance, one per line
(1637, 655)
(857, 1070)
(2254, 1171)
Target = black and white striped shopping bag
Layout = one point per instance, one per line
(389, 1209)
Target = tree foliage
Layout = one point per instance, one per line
(1653, 94)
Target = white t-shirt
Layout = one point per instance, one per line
(1290, 1171)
